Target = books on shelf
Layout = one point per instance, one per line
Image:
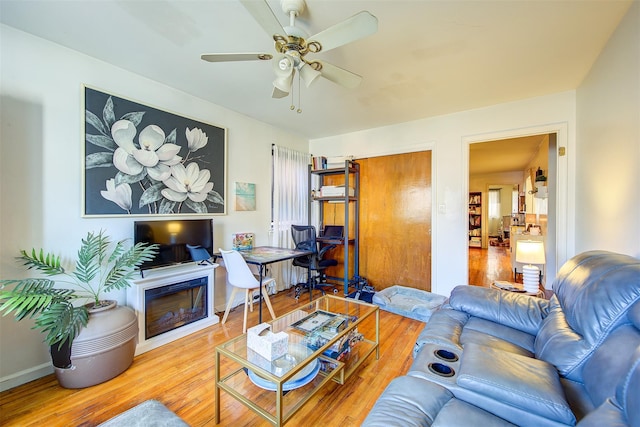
(318, 162)
(335, 162)
(475, 199)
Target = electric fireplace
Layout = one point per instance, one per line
(172, 302)
(172, 306)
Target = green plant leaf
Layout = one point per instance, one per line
(48, 264)
(90, 256)
(123, 269)
(30, 297)
(118, 250)
(62, 322)
(96, 270)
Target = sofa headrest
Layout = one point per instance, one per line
(596, 289)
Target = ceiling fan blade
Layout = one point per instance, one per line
(263, 14)
(227, 57)
(358, 26)
(340, 76)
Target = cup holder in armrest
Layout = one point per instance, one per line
(446, 355)
(441, 369)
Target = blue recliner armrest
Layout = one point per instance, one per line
(518, 311)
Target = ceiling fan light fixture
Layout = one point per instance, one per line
(308, 74)
(283, 66)
(292, 43)
(277, 93)
(283, 83)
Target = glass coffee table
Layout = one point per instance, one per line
(328, 339)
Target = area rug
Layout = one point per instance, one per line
(149, 413)
(409, 302)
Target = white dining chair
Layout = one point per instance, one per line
(240, 276)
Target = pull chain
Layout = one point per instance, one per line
(299, 91)
(292, 107)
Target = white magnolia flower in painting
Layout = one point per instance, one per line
(153, 154)
(196, 138)
(188, 182)
(119, 194)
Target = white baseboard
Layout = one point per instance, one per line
(23, 377)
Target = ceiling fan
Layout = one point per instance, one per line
(292, 45)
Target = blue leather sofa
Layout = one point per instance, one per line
(495, 358)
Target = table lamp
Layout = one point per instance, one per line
(530, 252)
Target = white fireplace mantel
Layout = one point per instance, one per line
(164, 277)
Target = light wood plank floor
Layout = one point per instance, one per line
(181, 376)
(488, 265)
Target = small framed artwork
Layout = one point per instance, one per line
(243, 241)
(140, 160)
(245, 196)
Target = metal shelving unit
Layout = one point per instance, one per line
(351, 173)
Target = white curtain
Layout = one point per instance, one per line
(290, 206)
(494, 211)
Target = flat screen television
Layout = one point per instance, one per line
(173, 236)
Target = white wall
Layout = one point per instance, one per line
(608, 172)
(41, 158)
(448, 136)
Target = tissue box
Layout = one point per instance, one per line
(267, 344)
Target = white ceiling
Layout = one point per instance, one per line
(428, 57)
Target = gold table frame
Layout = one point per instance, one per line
(234, 352)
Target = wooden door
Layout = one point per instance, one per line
(395, 220)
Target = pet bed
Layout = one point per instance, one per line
(409, 302)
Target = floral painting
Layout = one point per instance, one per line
(143, 161)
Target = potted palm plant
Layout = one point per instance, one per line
(61, 316)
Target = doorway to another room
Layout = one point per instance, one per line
(508, 202)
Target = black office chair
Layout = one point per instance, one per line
(304, 237)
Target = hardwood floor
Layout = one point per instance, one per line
(181, 375)
(488, 265)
